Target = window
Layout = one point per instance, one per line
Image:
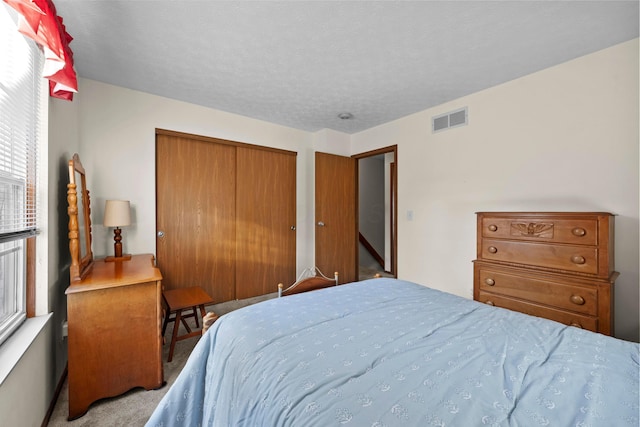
(21, 63)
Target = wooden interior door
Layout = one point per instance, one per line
(266, 219)
(196, 214)
(335, 216)
(393, 177)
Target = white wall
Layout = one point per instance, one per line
(64, 141)
(563, 139)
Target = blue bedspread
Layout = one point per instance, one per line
(386, 352)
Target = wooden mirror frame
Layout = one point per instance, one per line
(79, 221)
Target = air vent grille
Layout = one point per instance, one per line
(449, 120)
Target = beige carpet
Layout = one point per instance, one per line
(136, 406)
(369, 273)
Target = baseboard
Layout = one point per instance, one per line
(56, 395)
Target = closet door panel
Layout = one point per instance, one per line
(195, 211)
(265, 221)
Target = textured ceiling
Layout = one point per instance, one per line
(301, 63)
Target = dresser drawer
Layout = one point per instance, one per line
(552, 230)
(573, 319)
(582, 259)
(581, 299)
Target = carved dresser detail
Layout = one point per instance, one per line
(556, 265)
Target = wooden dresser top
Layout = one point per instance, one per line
(103, 274)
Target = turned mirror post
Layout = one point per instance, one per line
(79, 211)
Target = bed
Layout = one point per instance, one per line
(387, 352)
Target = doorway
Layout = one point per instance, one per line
(377, 212)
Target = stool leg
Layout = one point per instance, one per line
(195, 316)
(186, 325)
(174, 337)
(166, 322)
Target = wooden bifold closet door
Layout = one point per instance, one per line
(265, 221)
(225, 215)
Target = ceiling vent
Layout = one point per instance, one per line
(449, 120)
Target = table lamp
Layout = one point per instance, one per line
(117, 213)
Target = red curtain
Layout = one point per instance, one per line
(39, 21)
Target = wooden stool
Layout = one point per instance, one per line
(178, 300)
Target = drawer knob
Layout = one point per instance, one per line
(489, 303)
(492, 249)
(577, 259)
(577, 299)
(493, 227)
(577, 325)
(578, 231)
(489, 281)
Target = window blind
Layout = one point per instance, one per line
(21, 111)
(20, 115)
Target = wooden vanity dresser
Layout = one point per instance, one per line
(556, 265)
(113, 312)
(115, 341)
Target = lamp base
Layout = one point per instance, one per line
(125, 257)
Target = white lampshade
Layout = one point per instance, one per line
(117, 213)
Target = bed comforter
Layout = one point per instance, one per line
(386, 352)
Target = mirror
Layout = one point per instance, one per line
(79, 211)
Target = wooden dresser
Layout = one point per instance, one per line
(114, 319)
(556, 265)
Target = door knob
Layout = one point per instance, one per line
(320, 224)
(161, 234)
(293, 228)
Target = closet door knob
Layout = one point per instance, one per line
(161, 234)
(320, 224)
(293, 228)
